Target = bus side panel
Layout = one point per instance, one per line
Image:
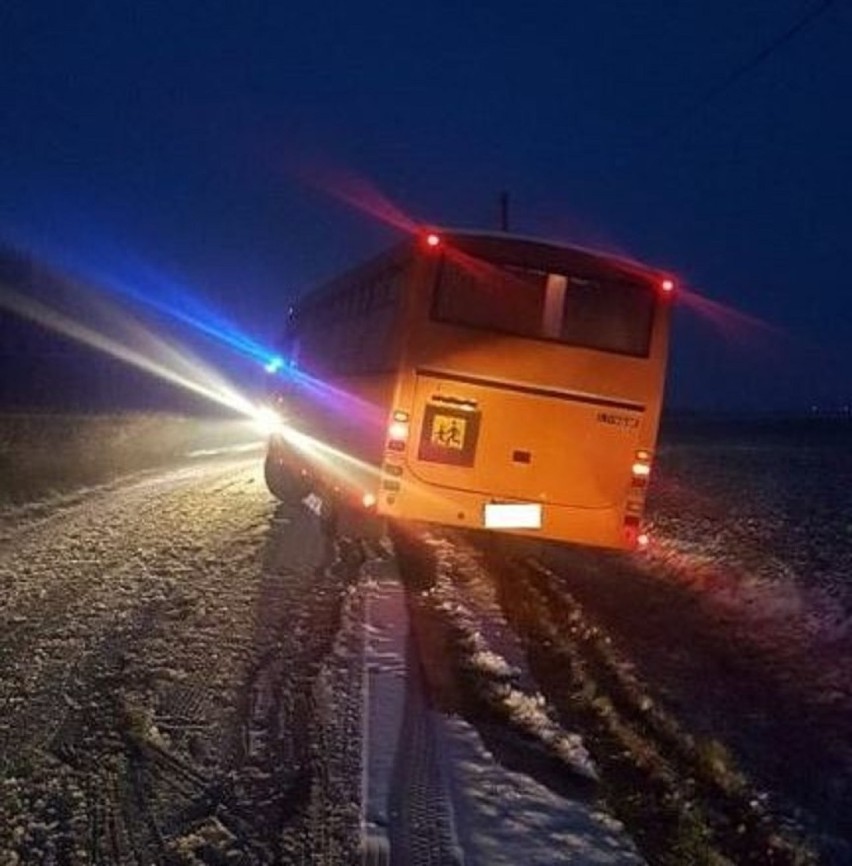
(348, 350)
(336, 439)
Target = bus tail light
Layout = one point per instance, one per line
(636, 537)
(432, 240)
(398, 430)
(667, 285)
(641, 469)
(640, 472)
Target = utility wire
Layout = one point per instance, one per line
(749, 65)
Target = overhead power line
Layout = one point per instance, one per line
(805, 21)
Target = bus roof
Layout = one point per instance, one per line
(520, 250)
(543, 253)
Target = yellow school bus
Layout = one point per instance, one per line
(479, 380)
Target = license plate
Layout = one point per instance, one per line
(513, 515)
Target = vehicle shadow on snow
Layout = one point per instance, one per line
(297, 613)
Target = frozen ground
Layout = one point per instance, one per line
(161, 695)
(181, 676)
(446, 786)
(44, 454)
(181, 682)
(741, 611)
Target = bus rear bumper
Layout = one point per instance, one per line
(596, 527)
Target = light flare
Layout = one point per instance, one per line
(331, 396)
(359, 193)
(179, 367)
(729, 321)
(355, 473)
(159, 358)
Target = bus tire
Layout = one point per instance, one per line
(283, 483)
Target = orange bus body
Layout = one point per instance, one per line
(486, 381)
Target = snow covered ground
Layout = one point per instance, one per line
(741, 610)
(184, 665)
(182, 682)
(45, 454)
(757, 524)
(462, 801)
(760, 518)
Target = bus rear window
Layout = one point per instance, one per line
(594, 313)
(483, 295)
(607, 315)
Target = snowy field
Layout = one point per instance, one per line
(756, 519)
(769, 504)
(44, 454)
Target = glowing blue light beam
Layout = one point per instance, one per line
(126, 276)
(119, 272)
(212, 325)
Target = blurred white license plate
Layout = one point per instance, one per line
(513, 515)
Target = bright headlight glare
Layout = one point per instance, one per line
(268, 421)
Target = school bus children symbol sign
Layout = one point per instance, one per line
(449, 436)
(448, 431)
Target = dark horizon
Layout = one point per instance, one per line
(235, 158)
(43, 370)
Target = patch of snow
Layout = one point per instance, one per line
(385, 635)
(464, 591)
(506, 817)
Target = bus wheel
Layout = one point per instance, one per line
(284, 484)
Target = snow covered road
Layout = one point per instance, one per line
(183, 680)
(160, 642)
(182, 672)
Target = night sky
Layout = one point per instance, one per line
(199, 142)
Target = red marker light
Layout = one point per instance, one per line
(667, 285)
(433, 240)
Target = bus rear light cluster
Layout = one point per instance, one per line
(634, 506)
(392, 472)
(398, 431)
(635, 536)
(641, 469)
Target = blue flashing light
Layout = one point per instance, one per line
(123, 274)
